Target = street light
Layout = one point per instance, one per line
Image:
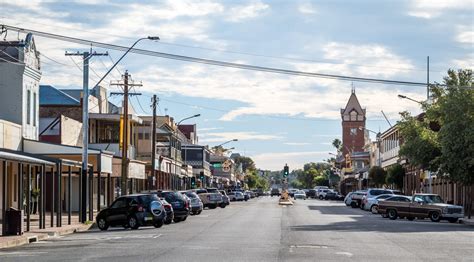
(232, 140)
(411, 99)
(175, 134)
(85, 117)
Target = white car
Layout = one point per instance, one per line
(323, 192)
(371, 193)
(300, 194)
(372, 203)
(236, 196)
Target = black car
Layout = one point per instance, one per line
(311, 193)
(180, 206)
(169, 211)
(275, 192)
(132, 211)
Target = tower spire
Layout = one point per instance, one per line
(353, 88)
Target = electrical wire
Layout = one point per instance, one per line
(215, 62)
(244, 53)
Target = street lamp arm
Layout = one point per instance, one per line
(120, 59)
(232, 140)
(411, 99)
(184, 119)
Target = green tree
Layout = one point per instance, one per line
(395, 175)
(321, 181)
(377, 176)
(247, 163)
(337, 144)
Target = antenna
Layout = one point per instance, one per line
(386, 118)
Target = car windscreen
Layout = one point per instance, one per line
(172, 196)
(191, 195)
(432, 199)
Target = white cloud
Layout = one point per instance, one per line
(243, 12)
(226, 136)
(307, 8)
(297, 143)
(428, 9)
(295, 160)
(465, 35)
(465, 62)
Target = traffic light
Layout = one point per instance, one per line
(286, 171)
(193, 182)
(201, 176)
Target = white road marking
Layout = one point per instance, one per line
(347, 254)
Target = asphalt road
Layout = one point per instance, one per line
(261, 230)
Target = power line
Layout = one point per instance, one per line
(244, 53)
(214, 62)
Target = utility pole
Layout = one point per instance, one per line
(427, 79)
(153, 143)
(126, 84)
(85, 126)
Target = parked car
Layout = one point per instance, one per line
(371, 193)
(300, 194)
(211, 198)
(348, 199)
(372, 204)
(236, 196)
(252, 194)
(421, 206)
(311, 193)
(246, 195)
(180, 205)
(169, 211)
(291, 192)
(132, 211)
(275, 192)
(333, 195)
(322, 193)
(196, 203)
(319, 189)
(225, 199)
(259, 192)
(356, 198)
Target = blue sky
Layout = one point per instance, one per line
(278, 119)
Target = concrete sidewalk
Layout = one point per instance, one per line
(466, 221)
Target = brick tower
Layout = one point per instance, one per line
(353, 117)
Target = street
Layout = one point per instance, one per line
(261, 230)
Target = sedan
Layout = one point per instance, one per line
(300, 194)
(372, 203)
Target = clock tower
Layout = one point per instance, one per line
(353, 126)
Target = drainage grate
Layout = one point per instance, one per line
(32, 239)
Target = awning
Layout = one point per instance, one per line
(17, 156)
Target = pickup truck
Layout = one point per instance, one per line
(210, 197)
(421, 206)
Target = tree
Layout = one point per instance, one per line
(377, 176)
(247, 163)
(395, 175)
(420, 143)
(337, 144)
(321, 181)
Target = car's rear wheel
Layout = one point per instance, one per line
(374, 209)
(320, 197)
(411, 218)
(435, 217)
(452, 220)
(177, 219)
(353, 204)
(168, 221)
(184, 218)
(199, 212)
(133, 222)
(158, 224)
(223, 205)
(392, 214)
(102, 224)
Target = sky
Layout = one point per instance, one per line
(277, 118)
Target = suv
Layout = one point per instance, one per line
(275, 192)
(371, 193)
(132, 211)
(196, 203)
(178, 202)
(323, 192)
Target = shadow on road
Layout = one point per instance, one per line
(362, 221)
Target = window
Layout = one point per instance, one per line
(35, 110)
(119, 203)
(353, 131)
(28, 107)
(140, 136)
(146, 136)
